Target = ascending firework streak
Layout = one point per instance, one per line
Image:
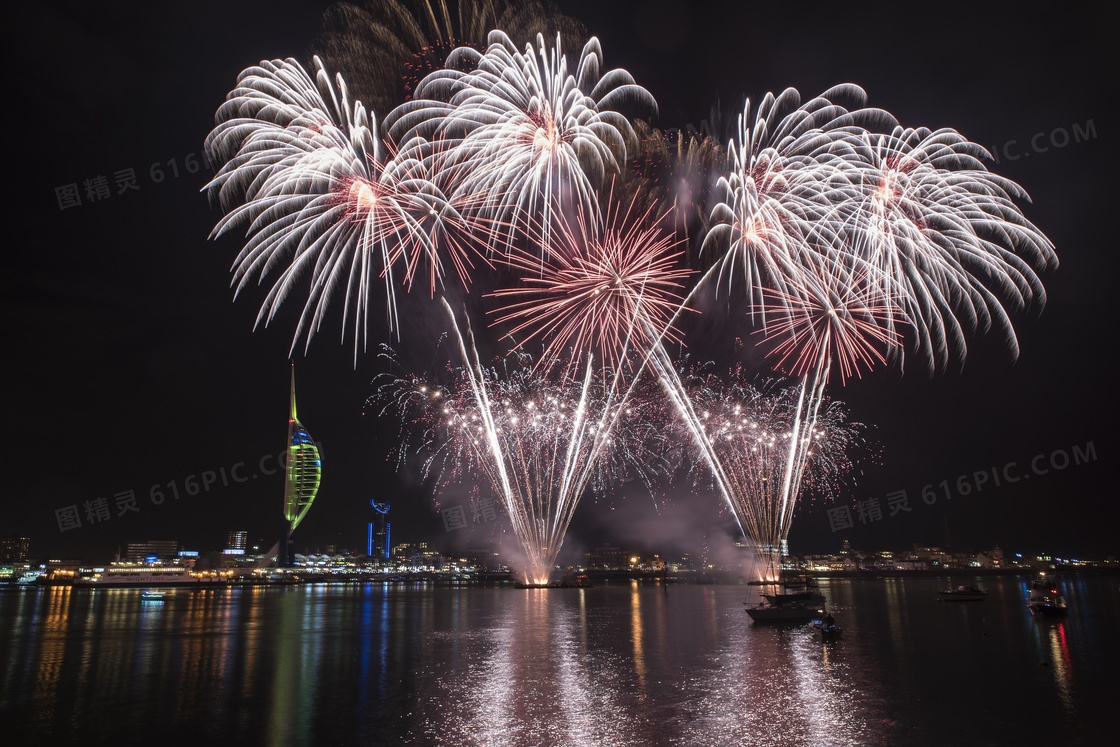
(539, 440)
(749, 430)
(615, 291)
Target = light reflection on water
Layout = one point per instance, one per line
(628, 664)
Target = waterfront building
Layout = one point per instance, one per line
(607, 557)
(164, 550)
(483, 559)
(15, 549)
(237, 540)
(377, 538)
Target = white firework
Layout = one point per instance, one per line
(518, 131)
(944, 235)
(320, 197)
(847, 236)
(787, 170)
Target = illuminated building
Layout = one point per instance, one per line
(164, 550)
(14, 549)
(302, 479)
(236, 540)
(377, 542)
(608, 557)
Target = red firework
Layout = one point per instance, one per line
(833, 312)
(608, 290)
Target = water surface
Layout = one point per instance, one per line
(626, 664)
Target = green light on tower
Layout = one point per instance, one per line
(304, 468)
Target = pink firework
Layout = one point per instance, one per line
(610, 291)
(833, 313)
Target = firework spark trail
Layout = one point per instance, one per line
(591, 288)
(836, 315)
(540, 441)
(836, 311)
(521, 130)
(305, 171)
(749, 430)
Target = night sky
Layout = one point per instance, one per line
(130, 366)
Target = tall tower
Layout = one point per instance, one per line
(378, 540)
(302, 479)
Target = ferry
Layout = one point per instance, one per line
(139, 576)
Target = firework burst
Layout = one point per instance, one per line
(776, 203)
(385, 47)
(847, 238)
(943, 235)
(605, 291)
(320, 197)
(522, 132)
(832, 315)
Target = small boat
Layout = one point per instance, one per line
(152, 596)
(1047, 602)
(969, 593)
(827, 628)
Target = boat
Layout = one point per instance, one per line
(806, 597)
(150, 575)
(1047, 602)
(579, 582)
(801, 607)
(827, 628)
(969, 593)
(795, 612)
(152, 596)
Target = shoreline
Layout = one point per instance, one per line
(596, 577)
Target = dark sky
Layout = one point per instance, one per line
(129, 365)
